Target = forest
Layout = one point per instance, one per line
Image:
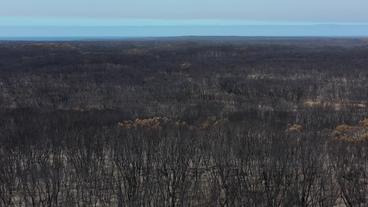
(184, 122)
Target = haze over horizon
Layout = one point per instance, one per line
(144, 18)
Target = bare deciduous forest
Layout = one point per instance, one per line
(183, 122)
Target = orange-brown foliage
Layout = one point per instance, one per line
(295, 128)
(148, 123)
(353, 134)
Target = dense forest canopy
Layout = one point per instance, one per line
(184, 122)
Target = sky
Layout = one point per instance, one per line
(36, 17)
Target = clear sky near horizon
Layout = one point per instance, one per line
(263, 10)
(26, 17)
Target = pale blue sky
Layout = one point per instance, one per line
(183, 17)
(260, 10)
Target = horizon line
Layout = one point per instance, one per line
(148, 38)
